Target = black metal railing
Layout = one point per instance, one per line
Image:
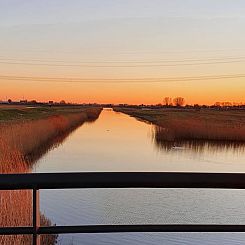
(35, 182)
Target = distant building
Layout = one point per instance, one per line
(23, 101)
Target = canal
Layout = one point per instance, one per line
(117, 142)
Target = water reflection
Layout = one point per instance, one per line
(11, 212)
(14, 160)
(161, 139)
(117, 142)
(34, 156)
(19, 151)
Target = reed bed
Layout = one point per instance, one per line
(19, 140)
(16, 210)
(183, 124)
(19, 144)
(192, 129)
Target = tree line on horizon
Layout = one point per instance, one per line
(167, 102)
(180, 102)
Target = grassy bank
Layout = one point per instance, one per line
(10, 113)
(26, 137)
(183, 124)
(27, 134)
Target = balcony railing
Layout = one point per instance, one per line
(35, 182)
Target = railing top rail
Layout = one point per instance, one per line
(122, 180)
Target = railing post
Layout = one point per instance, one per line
(35, 217)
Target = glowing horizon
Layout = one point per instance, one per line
(106, 40)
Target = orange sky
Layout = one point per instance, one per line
(138, 40)
(203, 93)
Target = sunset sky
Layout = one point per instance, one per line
(122, 51)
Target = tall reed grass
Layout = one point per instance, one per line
(183, 124)
(196, 129)
(20, 143)
(19, 140)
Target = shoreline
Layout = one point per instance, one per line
(204, 125)
(24, 140)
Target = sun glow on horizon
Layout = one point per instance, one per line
(136, 52)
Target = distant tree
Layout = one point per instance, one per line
(197, 106)
(167, 101)
(62, 102)
(9, 101)
(217, 104)
(179, 101)
(227, 104)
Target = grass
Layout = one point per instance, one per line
(9, 113)
(183, 124)
(25, 136)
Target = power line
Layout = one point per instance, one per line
(120, 80)
(124, 64)
(121, 66)
(225, 58)
(137, 52)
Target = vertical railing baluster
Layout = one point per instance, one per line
(35, 217)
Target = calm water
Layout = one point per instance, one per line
(117, 142)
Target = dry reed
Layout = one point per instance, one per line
(183, 124)
(196, 129)
(17, 142)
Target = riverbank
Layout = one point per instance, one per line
(184, 124)
(17, 113)
(23, 135)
